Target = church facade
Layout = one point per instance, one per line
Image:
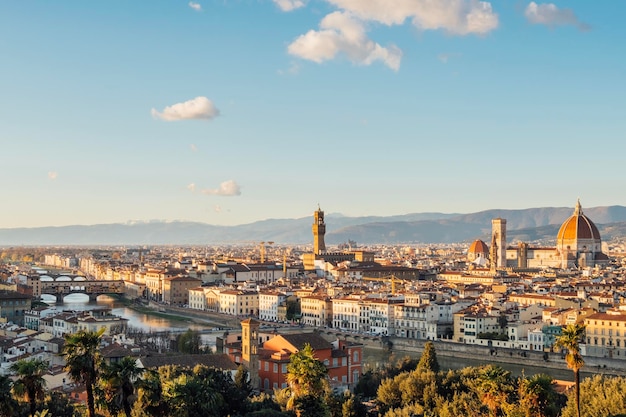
(578, 245)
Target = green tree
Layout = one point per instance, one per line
(150, 400)
(570, 341)
(30, 382)
(60, 404)
(118, 384)
(190, 342)
(242, 380)
(308, 382)
(353, 407)
(493, 386)
(82, 361)
(603, 397)
(428, 360)
(8, 405)
(537, 397)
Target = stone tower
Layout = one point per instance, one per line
(319, 230)
(498, 235)
(249, 349)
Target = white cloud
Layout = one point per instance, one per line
(196, 6)
(341, 33)
(458, 17)
(550, 15)
(289, 5)
(52, 175)
(226, 189)
(191, 187)
(193, 147)
(198, 108)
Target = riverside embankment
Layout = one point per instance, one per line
(459, 354)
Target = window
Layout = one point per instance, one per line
(275, 368)
(267, 367)
(356, 357)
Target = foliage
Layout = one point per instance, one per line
(30, 382)
(190, 342)
(242, 380)
(537, 397)
(428, 359)
(306, 375)
(8, 405)
(353, 407)
(60, 404)
(569, 340)
(492, 336)
(117, 385)
(82, 361)
(603, 397)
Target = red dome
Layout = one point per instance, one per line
(478, 246)
(578, 226)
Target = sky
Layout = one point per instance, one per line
(232, 111)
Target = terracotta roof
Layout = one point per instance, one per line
(298, 340)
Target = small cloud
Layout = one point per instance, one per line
(193, 147)
(199, 108)
(52, 175)
(196, 6)
(293, 69)
(341, 33)
(445, 57)
(289, 5)
(226, 189)
(192, 187)
(550, 15)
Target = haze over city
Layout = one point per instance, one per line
(229, 112)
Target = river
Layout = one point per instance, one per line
(137, 320)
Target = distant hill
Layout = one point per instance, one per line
(526, 225)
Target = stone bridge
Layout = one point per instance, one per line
(92, 288)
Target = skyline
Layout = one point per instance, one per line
(230, 112)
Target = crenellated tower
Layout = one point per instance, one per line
(319, 230)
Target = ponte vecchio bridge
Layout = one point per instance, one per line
(61, 288)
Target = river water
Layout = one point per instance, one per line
(374, 358)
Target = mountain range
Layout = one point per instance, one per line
(529, 225)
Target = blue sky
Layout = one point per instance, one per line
(228, 112)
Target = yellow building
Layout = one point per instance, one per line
(176, 289)
(316, 310)
(605, 334)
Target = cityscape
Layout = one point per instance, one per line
(258, 305)
(312, 208)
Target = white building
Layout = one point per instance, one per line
(268, 304)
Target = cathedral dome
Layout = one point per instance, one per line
(577, 226)
(478, 246)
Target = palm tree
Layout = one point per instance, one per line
(8, 405)
(308, 381)
(30, 382)
(493, 386)
(569, 340)
(82, 361)
(119, 383)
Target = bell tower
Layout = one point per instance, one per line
(249, 349)
(498, 235)
(319, 230)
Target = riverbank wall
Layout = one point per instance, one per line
(400, 346)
